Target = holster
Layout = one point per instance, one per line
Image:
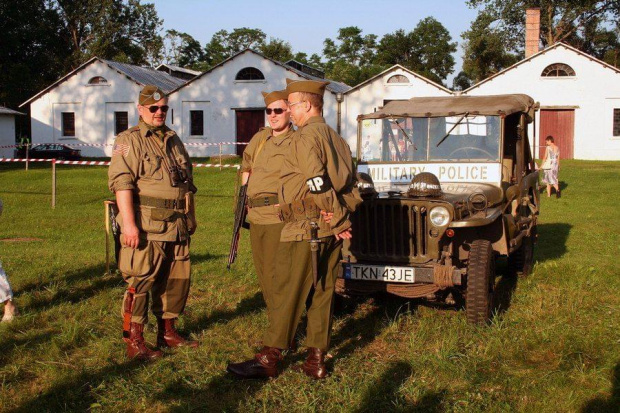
(190, 213)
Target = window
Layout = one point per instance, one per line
(98, 80)
(68, 123)
(398, 79)
(196, 119)
(558, 70)
(121, 122)
(250, 73)
(616, 122)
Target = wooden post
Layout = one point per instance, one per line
(27, 153)
(53, 183)
(107, 236)
(220, 156)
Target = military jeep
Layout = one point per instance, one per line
(449, 185)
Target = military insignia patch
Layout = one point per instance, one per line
(120, 149)
(156, 96)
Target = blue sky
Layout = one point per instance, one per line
(306, 24)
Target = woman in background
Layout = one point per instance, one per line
(6, 294)
(551, 166)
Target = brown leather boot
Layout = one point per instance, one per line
(263, 365)
(167, 335)
(136, 347)
(314, 366)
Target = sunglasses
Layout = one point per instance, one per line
(163, 108)
(277, 111)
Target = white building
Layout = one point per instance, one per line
(395, 83)
(579, 100)
(225, 104)
(7, 131)
(92, 104)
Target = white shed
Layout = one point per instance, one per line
(225, 104)
(395, 83)
(7, 131)
(92, 104)
(579, 99)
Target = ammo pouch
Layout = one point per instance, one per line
(303, 210)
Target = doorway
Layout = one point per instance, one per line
(248, 123)
(559, 123)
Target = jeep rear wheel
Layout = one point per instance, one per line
(480, 282)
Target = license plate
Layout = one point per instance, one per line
(383, 273)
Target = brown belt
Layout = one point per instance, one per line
(301, 210)
(262, 201)
(159, 202)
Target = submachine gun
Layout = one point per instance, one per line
(241, 212)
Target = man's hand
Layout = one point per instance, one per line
(346, 234)
(131, 236)
(327, 216)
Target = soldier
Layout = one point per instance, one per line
(262, 160)
(317, 175)
(151, 175)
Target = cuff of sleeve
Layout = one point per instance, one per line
(121, 186)
(342, 227)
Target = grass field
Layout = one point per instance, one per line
(553, 346)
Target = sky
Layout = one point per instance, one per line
(306, 24)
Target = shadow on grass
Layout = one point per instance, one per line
(504, 288)
(76, 392)
(200, 258)
(381, 393)
(610, 404)
(551, 241)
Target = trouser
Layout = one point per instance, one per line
(265, 240)
(292, 286)
(163, 268)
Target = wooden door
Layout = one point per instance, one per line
(559, 123)
(248, 123)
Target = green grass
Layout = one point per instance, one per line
(553, 346)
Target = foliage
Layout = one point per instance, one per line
(183, 50)
(277, 49)
(553, 344)
(224, 44)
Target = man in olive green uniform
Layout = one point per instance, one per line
(151, 175)
(262, 161)
(317, 179)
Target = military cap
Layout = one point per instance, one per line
(150, 94)
(308, 86)
(274, 96)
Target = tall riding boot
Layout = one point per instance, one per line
(263, 365)
(314, 366)
(136, 347)
(167, 335)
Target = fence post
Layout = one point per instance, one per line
(53, 183)
(27, 151)
(220, 145)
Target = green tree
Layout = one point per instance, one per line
(350, 58)
(277, 49)
(224, 44)
(183, 50)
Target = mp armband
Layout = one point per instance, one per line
(319, 184)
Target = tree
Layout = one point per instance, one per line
(461, 81)
(224, 45)
(183, 50)
(277, 49)
(350, 59)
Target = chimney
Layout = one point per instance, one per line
(532, 31)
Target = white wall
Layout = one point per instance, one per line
(219, 94)
(7, 135)
(370, 97)
(93, 105)
(594, 91)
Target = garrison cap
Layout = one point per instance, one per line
(150, 94)
(308, 86)
(274, 96)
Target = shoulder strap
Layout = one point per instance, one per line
(259, 149)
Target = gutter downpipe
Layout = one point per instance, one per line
(339, 99)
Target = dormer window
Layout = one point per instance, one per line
(98, 80)
(558, 70)
(250, 73)
(398, 79)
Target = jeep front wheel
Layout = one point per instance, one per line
(480, 282)
(521, 261)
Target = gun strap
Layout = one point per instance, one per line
(261, 145)
(157, 149)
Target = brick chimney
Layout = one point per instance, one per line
(532, 31)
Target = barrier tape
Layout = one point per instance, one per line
(111, 144)
(107, 163)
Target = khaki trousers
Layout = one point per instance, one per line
(163, 268)
(292, 286)
(265, 240)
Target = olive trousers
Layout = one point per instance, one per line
(265, 240)
(292, 289)
(161, 268)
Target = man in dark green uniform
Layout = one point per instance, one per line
(151, 175)
(262, 161)
(317, 178)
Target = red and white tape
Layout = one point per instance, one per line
(111, 144)
(107, 163)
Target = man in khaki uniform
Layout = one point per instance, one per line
(151, 175)
(262, 161)
(317, 179)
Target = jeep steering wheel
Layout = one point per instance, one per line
(466, 149)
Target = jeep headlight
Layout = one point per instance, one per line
(440, 216)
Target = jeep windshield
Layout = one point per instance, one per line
(459, 138)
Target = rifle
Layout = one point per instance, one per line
(240, 214)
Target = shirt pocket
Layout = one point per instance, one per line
(152, 167)
(149, 223)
